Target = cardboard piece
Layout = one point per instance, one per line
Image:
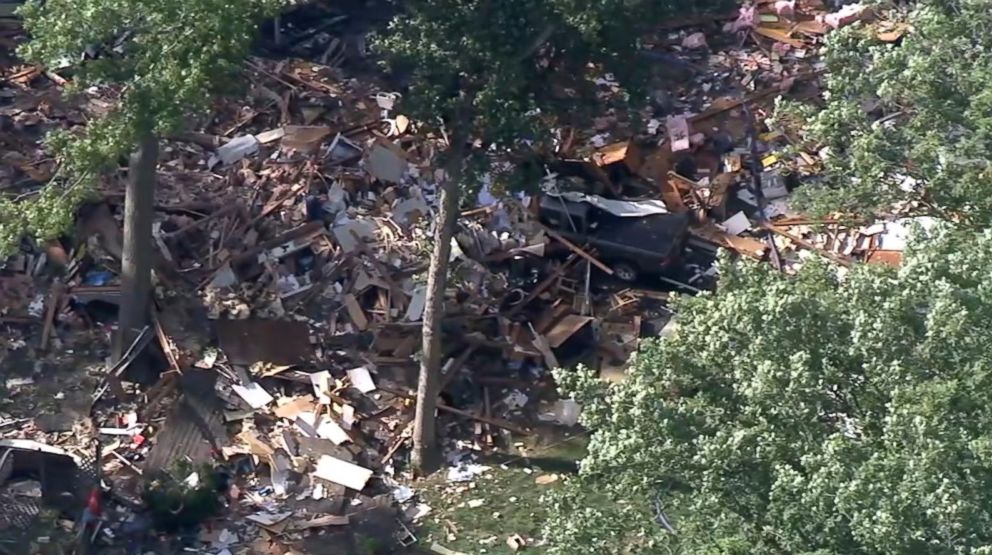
(295, 407)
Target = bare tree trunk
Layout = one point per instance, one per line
(424, 455)
(139, 207)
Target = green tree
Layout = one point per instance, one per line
(165, 58)
(826, 414)
(495, 76)
(909, 120)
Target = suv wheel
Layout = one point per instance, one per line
(625, 272)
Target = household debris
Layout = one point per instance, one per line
(291, 238)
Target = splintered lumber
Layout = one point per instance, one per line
(744, 245)
(843, 261)
(543, 286)
(578, 250)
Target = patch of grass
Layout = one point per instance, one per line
(510, 495)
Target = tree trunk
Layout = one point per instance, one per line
(139, 210)
(424, 456)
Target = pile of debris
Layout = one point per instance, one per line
(291, 246)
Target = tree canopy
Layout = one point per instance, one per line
(500, 73)
(909, 120)
(823, 414)
(165, 57)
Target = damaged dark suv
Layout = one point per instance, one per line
(634, 239)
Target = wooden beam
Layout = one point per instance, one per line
(577, 250)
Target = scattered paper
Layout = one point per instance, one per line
(402, 494)
(255, 395)
(418, 301)
(321, 382)
(737, 224)
(361, 379)
(466, 472)
(515, 400)
(237, 149)
(18, 382)
(323, 426)
(678, 133)
(348, 417)
(564, 412)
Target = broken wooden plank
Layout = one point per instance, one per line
(355, 312)
(293, 408)
(577, 250)
(744, 245)
(843, 261)
(565, 328)
(165, 342)
(778, 35)
(543, 286)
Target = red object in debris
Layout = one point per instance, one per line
(93, 504)
(138, 439)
